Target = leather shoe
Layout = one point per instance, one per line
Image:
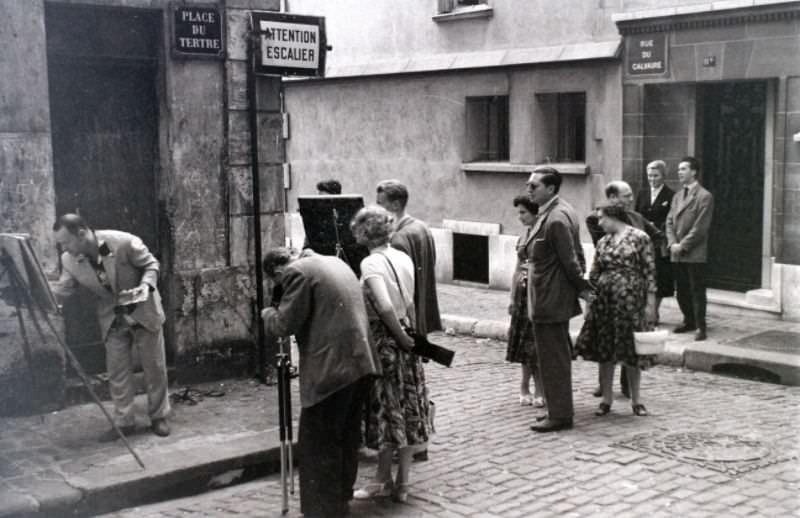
(552, 425)
(160, 427)
(700, 335)
(112, 435)
(684, 328)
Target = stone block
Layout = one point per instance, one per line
(53, 495)
(791, 291)
(16, 503)
(214, 310)
(667, 125)
(27, 198)
(502, 260)
(270, 140)
(240, 190)
(682, 63)
(258, 5)
(772, 29)
(23, 86)
(706, 34)
(632, 125)
(443, 239)
(709, 50)
(770, 58)
(737, 56)
(267, 89)
(632, 147)
(273, 233)
(793, 94)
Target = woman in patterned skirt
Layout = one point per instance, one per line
(623, 277)
(521, 347)
(398, 411)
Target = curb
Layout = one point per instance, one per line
(703, 356)
(102, 493)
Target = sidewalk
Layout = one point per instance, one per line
(771, 345)
(53, 465)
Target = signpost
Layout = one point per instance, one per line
(284, 45)
(197, 31)
(646, 54)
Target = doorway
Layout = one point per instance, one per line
(731, 123)
(103, 71)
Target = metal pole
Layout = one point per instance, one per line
(261, 356)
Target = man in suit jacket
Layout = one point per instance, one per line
(555, 280)
(413, 237)
(119, 270)
(653, 202)
(323, 306)
(688, 222)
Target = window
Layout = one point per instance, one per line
(561, 126)
(487, 129)
(453, 6)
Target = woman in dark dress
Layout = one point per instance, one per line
(521, 347)
(623, 278)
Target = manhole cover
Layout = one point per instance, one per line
(729, 454)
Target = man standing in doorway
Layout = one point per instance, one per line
(688, 223)
(122, 273)
(555, 282)
(323, 306)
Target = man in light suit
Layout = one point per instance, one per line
(323, 306)
(688, 222)
(121, 272)
(555, 281)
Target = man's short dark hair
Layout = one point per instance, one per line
(72, 222)
(526, 202)
(549, 176)
(694, 164)
(275, 257)
(329, 186)
(394, 191)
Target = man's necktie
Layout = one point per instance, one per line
(685, 192)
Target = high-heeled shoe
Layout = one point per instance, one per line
(525, 400)
(400, 493)
(538, 402)
(374, 490)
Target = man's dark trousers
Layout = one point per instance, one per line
(554, 351)
(691, 292)
(328, 440)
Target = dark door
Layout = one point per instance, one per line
(731, 122)
(103, 68)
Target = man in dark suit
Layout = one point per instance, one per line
(323, 306)
(688, 222)
(122, 274)
(653, 202)
(413, 237)
(555, 281)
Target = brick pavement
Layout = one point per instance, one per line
(713, 446)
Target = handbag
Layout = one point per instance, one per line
(650, 342)
(422, 346)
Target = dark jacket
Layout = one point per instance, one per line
(323, 306)
(555, 273)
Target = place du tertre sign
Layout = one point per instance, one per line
(289, 44)
(646, 54)
(197, 31)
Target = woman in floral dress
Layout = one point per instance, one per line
(623, 277)
(398, 413)
(521, 347)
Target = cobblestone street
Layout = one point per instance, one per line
(712, 446)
